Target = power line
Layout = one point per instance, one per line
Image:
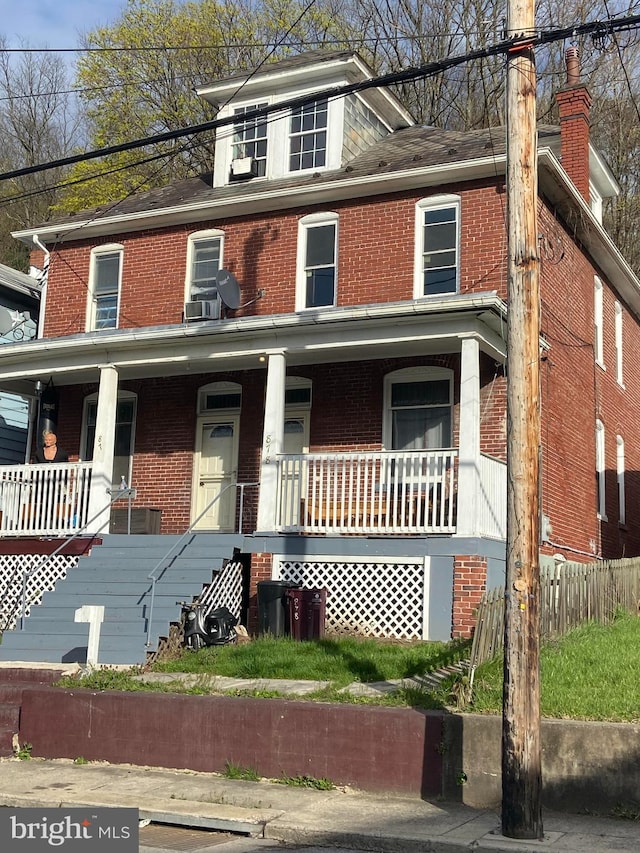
(596, 28)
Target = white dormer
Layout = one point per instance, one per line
(320, 135)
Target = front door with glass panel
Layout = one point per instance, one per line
(296, 443)
(215, 491)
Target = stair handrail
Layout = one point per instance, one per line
(27, 573)
(152, 574)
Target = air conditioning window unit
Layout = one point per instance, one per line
(242, 168)
(202, 310)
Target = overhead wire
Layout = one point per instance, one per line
(516, 42)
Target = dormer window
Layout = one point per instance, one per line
(308, 136)
(250, 141)
(293, 141)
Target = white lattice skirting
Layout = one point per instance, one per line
(377, 598)
(42, 575)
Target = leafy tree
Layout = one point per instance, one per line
(142, 82)
(37, 124)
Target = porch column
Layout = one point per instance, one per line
(272, 442)
(469, 440)
(103, 448)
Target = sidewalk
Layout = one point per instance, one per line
(345, 818)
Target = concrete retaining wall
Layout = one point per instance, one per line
(586, 766)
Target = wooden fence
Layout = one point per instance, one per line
(570, 593)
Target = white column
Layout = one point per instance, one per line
(469, 440)
(103, 448)
(272, 442)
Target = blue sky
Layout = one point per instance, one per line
(54, 23)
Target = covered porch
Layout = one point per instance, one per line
(343, 473)
(327, 493)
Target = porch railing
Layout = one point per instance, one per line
(368, 492)
(492, 503)
(44, 500)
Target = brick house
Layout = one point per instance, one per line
(307, 348)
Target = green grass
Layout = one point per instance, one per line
(590, 674)
(340, 661)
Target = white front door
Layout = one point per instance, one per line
(296, 442)
(215, 474)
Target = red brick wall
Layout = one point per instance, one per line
(375, 263)
(574, 104)
(469, 582)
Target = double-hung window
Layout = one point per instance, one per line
(250, 139)
(204, 260)
(317, 261)
(437, 252)
(104, 287)
(308, 136)
(419, 409)
(124, 434)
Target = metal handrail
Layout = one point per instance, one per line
(26, 574)
(152, 574)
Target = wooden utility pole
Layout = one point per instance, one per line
(521, 752)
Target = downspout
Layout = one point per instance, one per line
(43, 278)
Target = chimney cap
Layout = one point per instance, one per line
(572, 59)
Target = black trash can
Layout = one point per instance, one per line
(273, 608)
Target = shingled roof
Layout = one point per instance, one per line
(410, 148)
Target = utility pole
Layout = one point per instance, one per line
(521, 752)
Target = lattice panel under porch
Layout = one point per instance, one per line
(377, 598)
(42, 577)
(225, 590)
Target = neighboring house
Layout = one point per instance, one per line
(350, 357)
(19, 306)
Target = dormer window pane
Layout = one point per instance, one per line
(308, 136)
(250, 139)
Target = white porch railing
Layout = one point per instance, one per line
(44, 500)
(368, 492)
(492, 502)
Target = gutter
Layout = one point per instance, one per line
(43, 279)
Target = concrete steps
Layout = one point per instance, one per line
(116, 575)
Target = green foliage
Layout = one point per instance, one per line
(307, 782)
(590, 674)
(338, 660)
(23, 752)
(80, 760)
(234, 771)
(133, 92)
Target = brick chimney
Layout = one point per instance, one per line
(574, 103)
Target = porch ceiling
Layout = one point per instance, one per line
(326, 335)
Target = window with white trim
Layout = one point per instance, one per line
(600, 469)
(620, 475)
(418, 409)
(619, 343)
(598, 320)
(308, 136)
(317, 261)
(105, 278)
(250, 139)
(437, 246)
(124, 434)
(204, 259)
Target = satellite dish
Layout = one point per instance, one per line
(6, 321)
(229, 289)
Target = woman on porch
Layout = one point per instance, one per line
(50, 451)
